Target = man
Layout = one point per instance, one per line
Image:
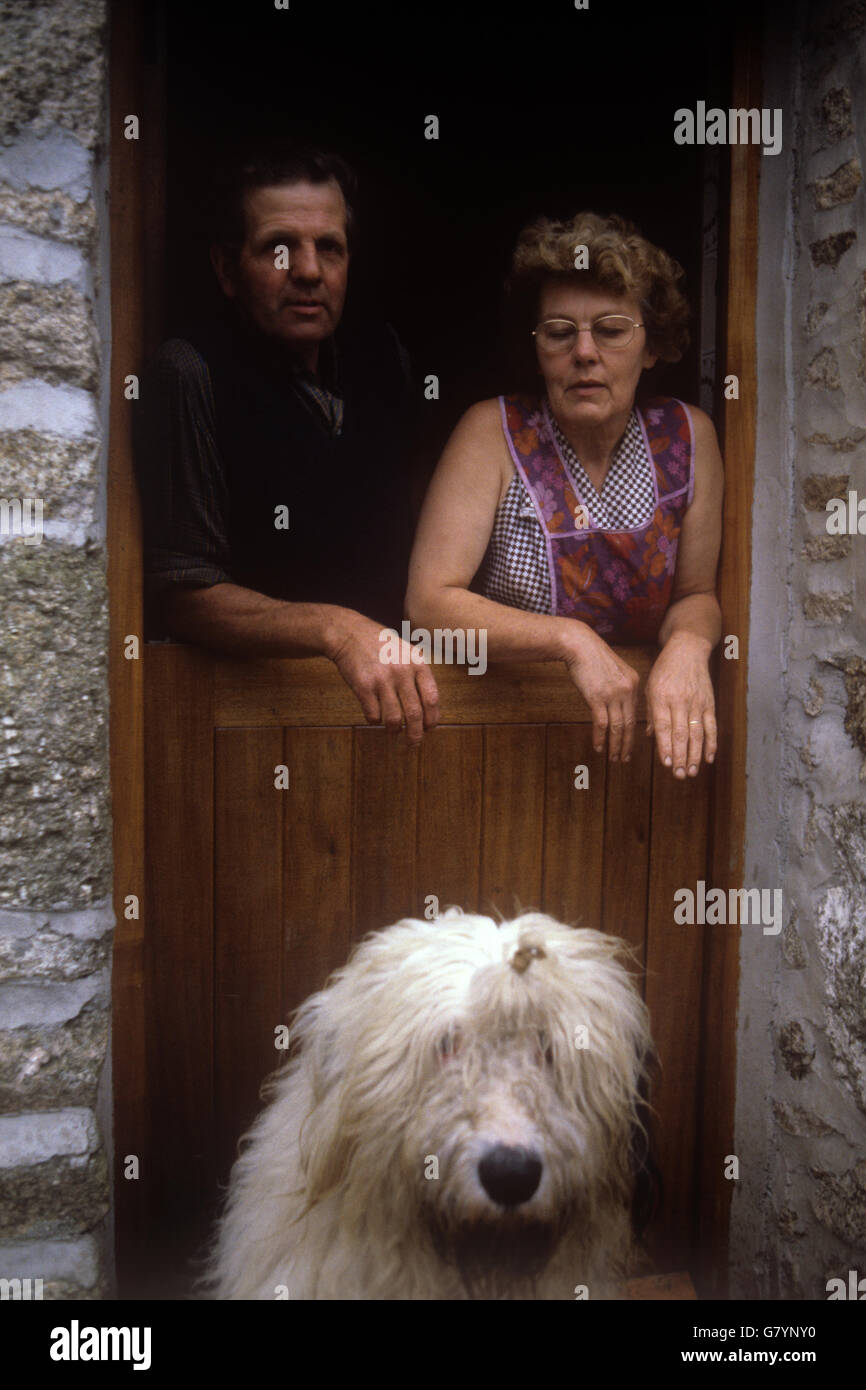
(270, 450)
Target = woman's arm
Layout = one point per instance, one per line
(471, 478)
(680, 696)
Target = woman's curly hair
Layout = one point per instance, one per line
(621, 261)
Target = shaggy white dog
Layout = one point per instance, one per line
(459, 1121)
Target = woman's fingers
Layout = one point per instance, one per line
(616, 729)
(610, 689)
(600, 721)
(681, 712)
(628, 734)
(696, 742)
(616, 717)
(711, 735)
(660, 721)
(683, 736)
(622, 727)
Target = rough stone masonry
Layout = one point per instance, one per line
(799, 1212)
(55, 861)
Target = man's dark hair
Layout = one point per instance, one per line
(268, 168)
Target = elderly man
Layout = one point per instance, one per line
(270, 450)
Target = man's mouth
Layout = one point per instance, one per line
(587, 386)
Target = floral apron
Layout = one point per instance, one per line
(618, 582)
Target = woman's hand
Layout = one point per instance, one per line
(609, 686)
(681, 706)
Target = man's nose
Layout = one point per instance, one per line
(305, 263)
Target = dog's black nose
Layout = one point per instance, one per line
(509, 1176)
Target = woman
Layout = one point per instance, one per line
(583, 520)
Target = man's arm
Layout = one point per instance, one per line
(185, 509)
(240, 622)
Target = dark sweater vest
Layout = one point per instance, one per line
(349, 532)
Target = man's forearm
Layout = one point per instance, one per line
(241, 622)
(697, 616)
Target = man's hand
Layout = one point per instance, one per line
(389, 693)
(681, 705)
(241, 622)
(609, 686)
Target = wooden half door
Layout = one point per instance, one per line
(280, 829)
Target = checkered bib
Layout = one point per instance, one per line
(614, 576)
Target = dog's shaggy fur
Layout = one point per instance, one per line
(459, 1120)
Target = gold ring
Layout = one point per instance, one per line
(694, 721)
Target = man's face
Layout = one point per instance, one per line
(301, 305)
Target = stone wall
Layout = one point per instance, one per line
(55, 861)
(799, 1214)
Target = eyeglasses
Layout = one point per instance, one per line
(609, 331)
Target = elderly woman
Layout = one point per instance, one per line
(571, 519)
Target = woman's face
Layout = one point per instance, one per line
(588, 385)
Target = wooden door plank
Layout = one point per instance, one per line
(728, 827)
(674, 959)
(384, 829)
(512, 834)
(310, 691)
(248, 883)
(573, 827)
(627, 844)
(318, 857)
(178, 1165)
(449, 820)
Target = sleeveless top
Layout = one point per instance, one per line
(559, 548)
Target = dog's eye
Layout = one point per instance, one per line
(449, 1044)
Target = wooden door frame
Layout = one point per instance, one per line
(137, 206)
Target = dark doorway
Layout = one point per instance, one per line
(546, 113)
(556, 110)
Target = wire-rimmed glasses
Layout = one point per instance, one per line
(609, 331)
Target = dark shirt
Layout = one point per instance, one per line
(230, 426)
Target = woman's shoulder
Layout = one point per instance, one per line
(478, 444)
(482, 421)
(702, 422)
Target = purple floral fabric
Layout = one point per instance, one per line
(618, 582)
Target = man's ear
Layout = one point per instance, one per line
(223, 270)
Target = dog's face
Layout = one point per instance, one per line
(482, 1083)
(494, 1197)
